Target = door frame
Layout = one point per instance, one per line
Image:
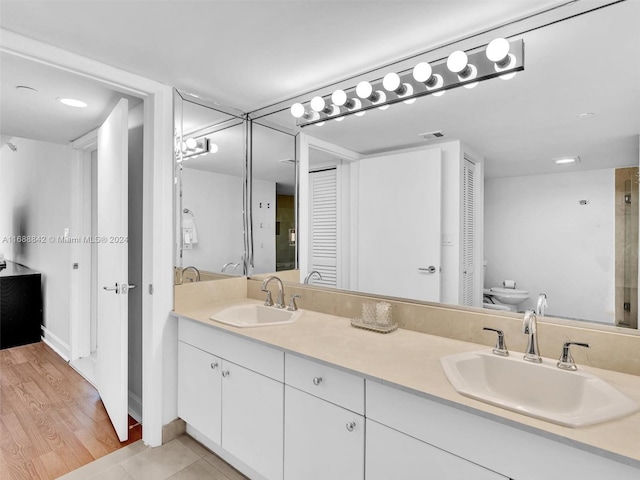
(345, 223)
(159, 335)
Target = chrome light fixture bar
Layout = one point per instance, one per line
(193, 147)
(500, 58)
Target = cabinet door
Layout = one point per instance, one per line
(252, 421)
(322, 441)
(199, 390)
(391, 454)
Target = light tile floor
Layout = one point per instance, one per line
(180, 459)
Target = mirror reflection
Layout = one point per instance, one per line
(561, 238)
(209, 193)
(273, 200)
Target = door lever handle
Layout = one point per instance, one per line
(113, 289)
(429, 269)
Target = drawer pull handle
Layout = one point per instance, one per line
(225, 373)
(351, 426)
(317, 380)
(214, 365)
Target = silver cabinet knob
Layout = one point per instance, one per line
(351, 426)
(317, 380)
(214, 365)
(225, 373)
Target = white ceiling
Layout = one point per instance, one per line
(37, 114)
(251, 54)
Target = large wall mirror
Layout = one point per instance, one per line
(273, 192)
(209, 195)
(569, 231)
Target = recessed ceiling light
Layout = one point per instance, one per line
(72, 102)
(566, 160)
(586, 115)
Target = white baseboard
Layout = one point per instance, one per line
(57, 345)
(135, 407)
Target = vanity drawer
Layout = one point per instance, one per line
(329, 383)
(246, 353)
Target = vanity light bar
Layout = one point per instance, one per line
(192, 147)
(500, 58)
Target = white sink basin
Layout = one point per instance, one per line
(572, 399)
(255, 316)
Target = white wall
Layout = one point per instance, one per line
(264, 226)
(216, 201)
(35, 200)
(538, 234)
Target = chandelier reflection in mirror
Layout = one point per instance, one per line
(192, 147)
(500, 58)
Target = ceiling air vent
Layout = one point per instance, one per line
(431, 135)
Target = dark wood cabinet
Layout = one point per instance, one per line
(20, 306)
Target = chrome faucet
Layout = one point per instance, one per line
(530, 327)
(230, 264)
(566, 360)
(542, 304)
(311, 274)
(197, 272)
(269, 301)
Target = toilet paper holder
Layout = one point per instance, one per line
(509, 284)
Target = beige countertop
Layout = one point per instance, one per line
(411, 361)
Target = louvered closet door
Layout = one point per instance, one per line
(468, 232)
(324, 226)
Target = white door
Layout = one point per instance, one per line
(323, 206)
(399, 205)
(112, 356)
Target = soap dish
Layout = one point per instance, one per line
(358, 323)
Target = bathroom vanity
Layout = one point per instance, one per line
(318, 399)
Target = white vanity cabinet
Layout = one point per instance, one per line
(231, 392)
(200, 390)
(391, 454)
(324, 422)
(496, 449)
(252, 419)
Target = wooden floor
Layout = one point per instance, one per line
(52, 421)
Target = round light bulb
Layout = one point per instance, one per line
(213, 148)
(364, 90)
(317, 104)
(183, 146)
(497, 50)
(422, 72)
(457, 61)
(391, 82)
(297, 110)
(191, 143)
(339, 97)
(508, 76)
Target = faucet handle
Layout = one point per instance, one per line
(566, 360)
(292, 303)
(268, 301)
(501, 346)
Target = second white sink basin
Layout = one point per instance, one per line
(255, 316)
(572, 399)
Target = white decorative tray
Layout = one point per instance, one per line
(358, 323)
